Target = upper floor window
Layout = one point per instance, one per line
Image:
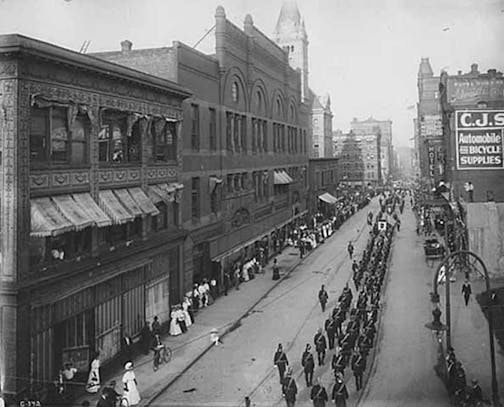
(259, 102)
(195, 128)
(52, 141)
(114, 144)
(235, 93)
(164, 140)
(212, 137)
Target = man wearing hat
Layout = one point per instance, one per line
(475, 392)
(289, 388)
(320, 346)
(340, 392)
(318, 394)
(308, 365)
(280, 361)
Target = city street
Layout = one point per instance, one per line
(403, 373)
(290, 315)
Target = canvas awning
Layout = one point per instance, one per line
(279, 178)
(46, 219)
(143, 201)
(287, 177)
(113, 207)
(155, 194)
(328, 198)
(86, 201)
(128, 202)
(73, 211)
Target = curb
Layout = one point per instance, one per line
(231, 327)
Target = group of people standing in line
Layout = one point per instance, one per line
(350, 328)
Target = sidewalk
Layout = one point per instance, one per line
(470, 338)
(224, 315)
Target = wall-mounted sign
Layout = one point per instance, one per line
(479, 135)
(431, 127)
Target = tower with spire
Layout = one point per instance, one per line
(290, 34)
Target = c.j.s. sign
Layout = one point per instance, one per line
(479, 141)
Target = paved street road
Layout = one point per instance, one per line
(290, 314)
(403, 373)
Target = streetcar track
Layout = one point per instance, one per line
(302, 326)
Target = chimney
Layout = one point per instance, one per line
(126, 45)
(474, 69)
(492, 73)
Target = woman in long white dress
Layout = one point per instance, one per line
(93, 382)
(185, 308)
(130, 385)
(174, 326)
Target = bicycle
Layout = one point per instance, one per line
(162, 354)
(123, 402)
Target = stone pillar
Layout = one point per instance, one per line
(14, 203)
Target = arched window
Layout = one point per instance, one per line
(235, 92)
(278, 108)
(259, 102)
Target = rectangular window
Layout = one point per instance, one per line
(236, 133)
(229, 183)
(164, 140)
(229, 131)
(51, 139)
(212, 136)
(244, 181)
(112, 140)
(265, 135)
(243, 134)
(215, 199)
(195, 128)
(254, 135)
(195, 197)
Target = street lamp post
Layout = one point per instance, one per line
(468, 259)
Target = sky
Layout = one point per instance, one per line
(364, 53)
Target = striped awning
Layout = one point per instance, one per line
(47, 220)
(113, 207)
(281, 178)
(287, 177)
(328, 198)
(128, 202)
(73, 211)
(155, 194)
(89, 205)
(143, 202)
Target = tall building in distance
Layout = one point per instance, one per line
(429, 133)
(290, 34)
(382, 131)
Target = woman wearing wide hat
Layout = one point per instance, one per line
(130, 385)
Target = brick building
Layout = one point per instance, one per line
(323, 184)
(245, 137)
(381, 130)
(429, 139)
(358, 158)
(91, 236)
(472, 108)
(290, 34)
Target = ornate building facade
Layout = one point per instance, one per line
(91, 236)
(290, 34)
(245, 142)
